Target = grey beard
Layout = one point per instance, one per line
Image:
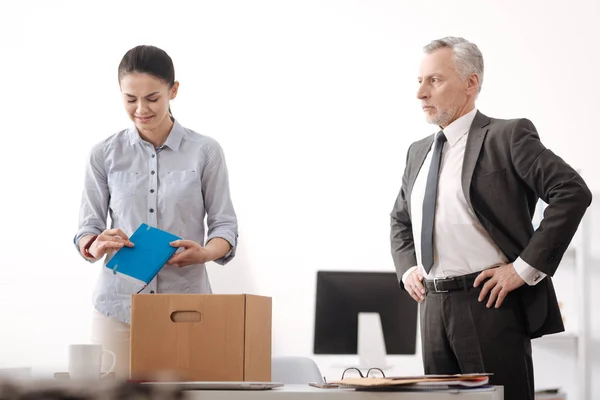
(441, 119)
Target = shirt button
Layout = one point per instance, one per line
(152, 172)
(151, 190)
(152, 292)
(153, 155)
(152, 210)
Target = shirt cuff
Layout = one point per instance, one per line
(231, 239)
(76, 240)
(530, 275)
(411, 269)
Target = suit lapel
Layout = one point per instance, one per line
(477, 133)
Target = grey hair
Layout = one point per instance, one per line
(467, 56)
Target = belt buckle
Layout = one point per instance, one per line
(435, 285)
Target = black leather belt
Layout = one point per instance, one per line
(443, 285)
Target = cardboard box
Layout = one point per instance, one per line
(201, 337)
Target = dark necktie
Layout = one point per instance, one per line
(429, 203)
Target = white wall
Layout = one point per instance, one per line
(314, 104)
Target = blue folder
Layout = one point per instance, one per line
(150, 252)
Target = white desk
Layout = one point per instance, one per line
(305, 392)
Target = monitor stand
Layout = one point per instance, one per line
(371, 344)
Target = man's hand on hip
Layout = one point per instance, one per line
(414, 285)
(502, 280)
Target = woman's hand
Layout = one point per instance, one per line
(193, 253)
(110, 239)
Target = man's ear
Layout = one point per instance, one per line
(473, 84)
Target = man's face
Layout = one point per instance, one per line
(444, 95)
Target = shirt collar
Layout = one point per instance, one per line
(173, 140)
(460, 127)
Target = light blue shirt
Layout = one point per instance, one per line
(171, 188)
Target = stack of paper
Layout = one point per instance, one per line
(423, 382)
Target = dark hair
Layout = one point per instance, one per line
(148, 60)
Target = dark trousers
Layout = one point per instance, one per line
(461, 335)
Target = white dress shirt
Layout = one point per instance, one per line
(461, 245)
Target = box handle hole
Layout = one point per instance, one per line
(185, 316)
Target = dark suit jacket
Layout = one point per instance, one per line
(506, 169)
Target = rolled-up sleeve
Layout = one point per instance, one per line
(95, 196)
(221, 217)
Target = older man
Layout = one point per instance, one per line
(461, 234)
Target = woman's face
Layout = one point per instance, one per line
(146, 99)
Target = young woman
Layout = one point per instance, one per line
(159, 173)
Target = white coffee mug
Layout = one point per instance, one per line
(85, 361)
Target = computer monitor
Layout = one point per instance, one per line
(342, 295)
